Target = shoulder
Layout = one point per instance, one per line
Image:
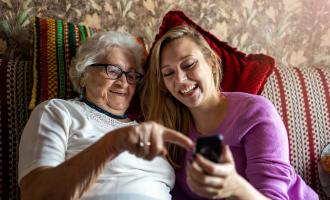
(247, 98)
(250, 110)
(58, 103)
(250, 103)
(256, 117)
(55, 106)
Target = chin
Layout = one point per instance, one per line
(122, 107)
(191, 104)
(118, 106)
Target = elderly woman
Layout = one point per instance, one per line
(88, 147)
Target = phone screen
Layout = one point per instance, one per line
(210, 147)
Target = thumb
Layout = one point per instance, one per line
(178, 138)
(227, 156)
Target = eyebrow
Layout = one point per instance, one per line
(116, 65)
(184, 57)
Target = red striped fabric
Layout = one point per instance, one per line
(15, 89)
(43, 66)
(283, 103)
(312, 167)
(326, 85)
(46, 84)
(302, 98)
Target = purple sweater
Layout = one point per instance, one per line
(258, 141)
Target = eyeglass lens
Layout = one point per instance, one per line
(114, 72)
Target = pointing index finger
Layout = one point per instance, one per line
(178, 138)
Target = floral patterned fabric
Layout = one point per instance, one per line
(294, 32)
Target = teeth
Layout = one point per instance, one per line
(189, 89)
(120, 93)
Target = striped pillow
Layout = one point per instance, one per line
(15, 90)
(302, 98)
(55, 43)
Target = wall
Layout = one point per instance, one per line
(295, 32)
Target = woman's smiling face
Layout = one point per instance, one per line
(111, 95)
(186, 73)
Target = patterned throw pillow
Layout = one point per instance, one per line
(55, 43)
(15, 90)
(302, 98)
(241, 72)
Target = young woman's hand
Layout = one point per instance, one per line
(214, 180)
(147, 140)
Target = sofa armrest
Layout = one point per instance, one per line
(302, 98)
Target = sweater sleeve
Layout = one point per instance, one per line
(267, 152)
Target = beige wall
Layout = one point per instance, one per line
(295, 32)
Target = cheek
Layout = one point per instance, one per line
(203, 73)
(132, 89)
(98, 87)
(167, 84)
(102, 85)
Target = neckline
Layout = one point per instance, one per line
(218, 125)
(95, 107)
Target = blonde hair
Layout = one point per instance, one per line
(157, 103)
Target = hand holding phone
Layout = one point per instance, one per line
(210, 147)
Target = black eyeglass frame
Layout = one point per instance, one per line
(138, 75)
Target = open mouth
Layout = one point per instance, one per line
(119, 93)
(188, 90)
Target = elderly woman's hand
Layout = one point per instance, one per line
(214, 180)
(147, 140)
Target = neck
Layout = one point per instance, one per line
(208, 117)
(101, 110)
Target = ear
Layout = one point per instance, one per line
(82, 81)
(212, 61)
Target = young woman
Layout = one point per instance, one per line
(182, 92)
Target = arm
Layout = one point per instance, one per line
(69, 179)
(266, 148)
(258, 130)
(213, 180)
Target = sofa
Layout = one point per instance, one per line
(301, 96)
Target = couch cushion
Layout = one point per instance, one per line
(15, 90)
(241, 72)
(302, 97)
(55, 43)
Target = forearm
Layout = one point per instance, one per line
(246, 191)
(70, 179)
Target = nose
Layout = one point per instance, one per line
(122, 80)
(180, 76)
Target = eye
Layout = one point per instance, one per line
(113, 71)
(189, 64)
(132, 75)
(167, 73)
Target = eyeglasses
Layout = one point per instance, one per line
(114, 72)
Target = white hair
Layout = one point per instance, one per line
(94, 49)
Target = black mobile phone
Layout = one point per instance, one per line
(210, 147)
